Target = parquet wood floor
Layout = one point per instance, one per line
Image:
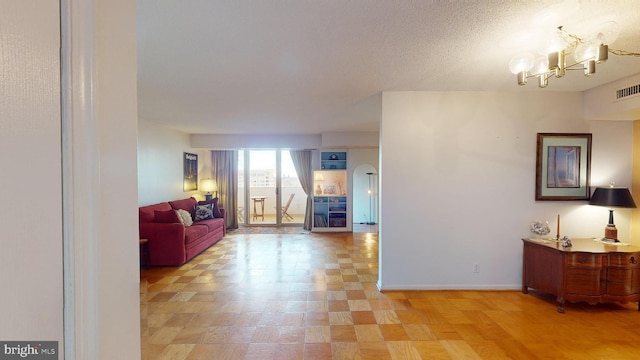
(313, 296)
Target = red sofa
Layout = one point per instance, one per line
(172, 244)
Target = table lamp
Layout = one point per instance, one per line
(208, 185)
(612, 197)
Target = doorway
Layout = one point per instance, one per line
(365, 195)
(269, 191)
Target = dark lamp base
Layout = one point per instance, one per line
(609, 240)
(208, 197)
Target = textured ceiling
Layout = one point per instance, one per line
(313, 66)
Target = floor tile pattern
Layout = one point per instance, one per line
(314, 296)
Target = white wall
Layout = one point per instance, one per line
(458, 181)
(160, 166)
(31, 256)
(600, 103)
(118, 287)
(30, 148)
(234, 142)
(345, 139)
(350, 139)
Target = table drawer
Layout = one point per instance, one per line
(588, 260)
(624, 259)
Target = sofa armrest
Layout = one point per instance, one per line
(166, 242)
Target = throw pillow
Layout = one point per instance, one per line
(216, 208)
(185, 217)
(203, 212)
(168, 216)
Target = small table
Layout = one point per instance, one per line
(256, 200)
(145, 256)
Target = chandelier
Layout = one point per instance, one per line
(564, 47)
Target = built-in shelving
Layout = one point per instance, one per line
(330, 211)
(336, 160)
(330, 197)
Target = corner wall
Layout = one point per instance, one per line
(458, 182)
(160, 167)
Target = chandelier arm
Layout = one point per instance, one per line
(546, 75)
(624, 53)
(576, 39)
(579, 40)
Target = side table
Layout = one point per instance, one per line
(256, 200)
(145, 256)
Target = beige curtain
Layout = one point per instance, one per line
(225, 171)
(302, 162)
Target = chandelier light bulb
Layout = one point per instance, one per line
(556, 41)
(540, 65)
(606, 33)
(522, 62)
(584, 51)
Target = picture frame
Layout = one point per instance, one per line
(190, 172)
(563, 166)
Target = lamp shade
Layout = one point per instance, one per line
(208, 185)
(612, 197)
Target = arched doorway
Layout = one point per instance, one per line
(365, 194)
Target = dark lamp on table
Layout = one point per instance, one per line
(612, 197)
(208, 185)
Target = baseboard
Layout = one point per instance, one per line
(427, 287)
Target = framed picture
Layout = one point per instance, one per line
(190, 172)
(563, 166)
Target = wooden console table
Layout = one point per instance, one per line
(590, 271)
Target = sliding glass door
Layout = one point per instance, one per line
(269, 190)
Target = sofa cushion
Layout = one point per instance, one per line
(185, 217)
(203, 212)
(193, 233)
(168, 216)
(184, 204)
(216, 207)
(146, 214)
(213, 224)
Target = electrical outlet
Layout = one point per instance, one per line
(476, 268)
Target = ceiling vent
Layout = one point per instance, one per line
(630, 91)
